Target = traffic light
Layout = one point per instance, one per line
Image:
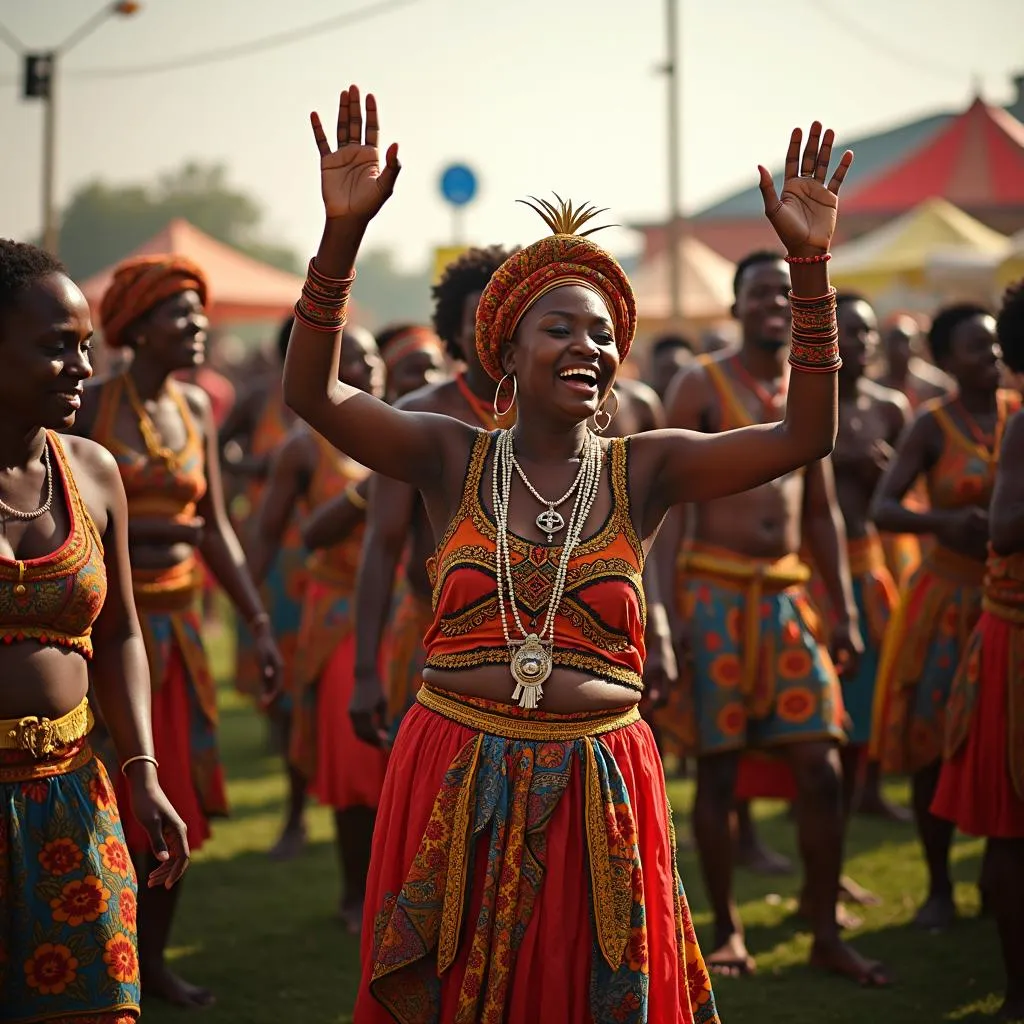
(38, 75)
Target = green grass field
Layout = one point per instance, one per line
(263, 937)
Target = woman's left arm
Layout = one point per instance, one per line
(121, 681)
(688, 466)
(223, 554)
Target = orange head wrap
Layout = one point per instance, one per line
(562, 258)
(141, 283)
(407, 341)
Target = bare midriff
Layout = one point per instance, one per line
(565, 691)
(40, 681)
(761, 523)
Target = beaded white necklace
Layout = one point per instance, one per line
(531, 656)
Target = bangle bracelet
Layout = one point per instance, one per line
(259, 619)
(353, 495)
(139, 757)
(822, 257)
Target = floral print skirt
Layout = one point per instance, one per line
(68, 894)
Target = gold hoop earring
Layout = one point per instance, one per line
(600, 428)
(499, 413)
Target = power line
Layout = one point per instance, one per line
(879, 42)
(241, 49)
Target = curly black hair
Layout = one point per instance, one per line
(21, 265)
(665, 342)
(464, 276)
(1010, 326)
(947, 320)
(386, 334)
(752, 260)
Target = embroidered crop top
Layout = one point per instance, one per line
(166, 487)
(965, 472)
(56, 599)
(599, 629)
(337, 565)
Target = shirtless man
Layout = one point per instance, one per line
(871, 418)
(761, 677)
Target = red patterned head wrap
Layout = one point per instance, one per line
(407, 341)
(141, 283)
(562, 258)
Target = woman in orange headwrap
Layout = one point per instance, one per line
(523, 865)
(162, 435)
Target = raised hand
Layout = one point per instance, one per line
(805, 217)
(351, 180)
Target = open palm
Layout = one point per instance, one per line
(804, 217)
(352, 182)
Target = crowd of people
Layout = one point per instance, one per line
(794, 563)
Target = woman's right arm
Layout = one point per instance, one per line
(402, 445)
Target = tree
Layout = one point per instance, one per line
(103, 223)
(386, 295)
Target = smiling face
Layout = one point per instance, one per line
(762, 305)
(172, 333)
(45, 340)
(974, 355)
(563, 353)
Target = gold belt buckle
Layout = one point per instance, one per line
(36, 735)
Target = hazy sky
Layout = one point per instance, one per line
(535, 94)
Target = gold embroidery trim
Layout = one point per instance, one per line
(46, 769)
(1007, 612)
(561, 657)
(496, 724)
(42, 736)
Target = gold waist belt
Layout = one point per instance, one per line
(42, 736)
(491, 717)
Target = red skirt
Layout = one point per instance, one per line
(349, 772)
(977, 789)
(496, 860)
(179, 745)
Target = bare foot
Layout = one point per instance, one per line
(937, 914)
(759, 859)
(731, 959)
(290, 845)
(839, 958)
(162, 983)
(852, 892)
(874, 805)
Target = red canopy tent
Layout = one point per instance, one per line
(975, 162)
(241, 288)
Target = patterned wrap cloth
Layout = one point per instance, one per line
(981, 788)
(524, 870)
(184, 697)
(760, 674)
(938, 609)
(141, 283)
(68, 893)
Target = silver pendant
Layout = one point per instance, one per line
(550, 521)
(530, 667)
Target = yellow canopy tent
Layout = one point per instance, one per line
(896, 257)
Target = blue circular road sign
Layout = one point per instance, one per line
(458, 184)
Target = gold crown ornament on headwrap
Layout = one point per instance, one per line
(142, 282)
(564, 257)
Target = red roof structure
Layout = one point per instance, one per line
(241, 288)
(975, 161)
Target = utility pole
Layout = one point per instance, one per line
(40, 82)
(675, 233)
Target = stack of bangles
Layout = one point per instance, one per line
(815, 346)
(323, 305)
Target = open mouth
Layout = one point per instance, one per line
(580, 378)
(73, 399)
(776, 324)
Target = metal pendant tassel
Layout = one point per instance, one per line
(528, 696)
